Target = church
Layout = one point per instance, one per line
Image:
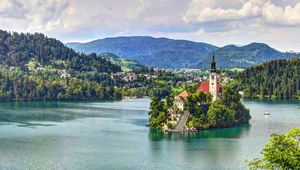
(213, 86)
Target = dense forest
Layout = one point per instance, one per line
(17, 85)
(35, 67)
(18, 49)
(277, 79)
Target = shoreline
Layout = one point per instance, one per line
(201, 130)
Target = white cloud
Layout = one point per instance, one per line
(44, 16)
(262, 9)
(288, 15)
(12, 9)
(208, 14)
(34, 15)
(214, 21)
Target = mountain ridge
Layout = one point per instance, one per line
(245, 56)
(149, 50)
(170, 53)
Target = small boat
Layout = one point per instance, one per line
(266, 113)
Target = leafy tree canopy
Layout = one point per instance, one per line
(282, 152)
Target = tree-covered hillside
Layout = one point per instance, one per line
(277, 79)
(157, 52)
(35, 67)
(125, 64)
(232, 56)
(18, 49)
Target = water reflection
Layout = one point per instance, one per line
(28, 113)
(259, 101)
(234, 132)
(204, 149)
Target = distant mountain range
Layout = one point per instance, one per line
(169, 53)
(231, 56)
(157, 52)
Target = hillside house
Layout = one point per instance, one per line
(180, 99)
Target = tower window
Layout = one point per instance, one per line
(212, 76)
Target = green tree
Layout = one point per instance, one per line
(282, 152)
(219, 115)
(157, 112)
(232, 99)
(169, 101)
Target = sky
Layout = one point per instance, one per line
(218, 22)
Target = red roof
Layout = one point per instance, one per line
(182, 95)
(203, 87)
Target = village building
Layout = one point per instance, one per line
(180, 99)
(39, 69)
(65, 76)
(117, 75)
(12, 68)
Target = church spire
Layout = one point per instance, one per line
(213, 64)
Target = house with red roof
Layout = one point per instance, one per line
(179, 99)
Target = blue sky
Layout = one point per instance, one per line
(219, 22)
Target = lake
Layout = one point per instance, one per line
(113, 135)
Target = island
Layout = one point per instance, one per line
(214, 104)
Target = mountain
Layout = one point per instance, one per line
(244, 56)
(276, 79)
(157, 52)
(169, 53)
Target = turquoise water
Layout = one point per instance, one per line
(112, 135)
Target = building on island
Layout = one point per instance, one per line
(179, 99)
(213, 86)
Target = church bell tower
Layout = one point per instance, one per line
(213, 80)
